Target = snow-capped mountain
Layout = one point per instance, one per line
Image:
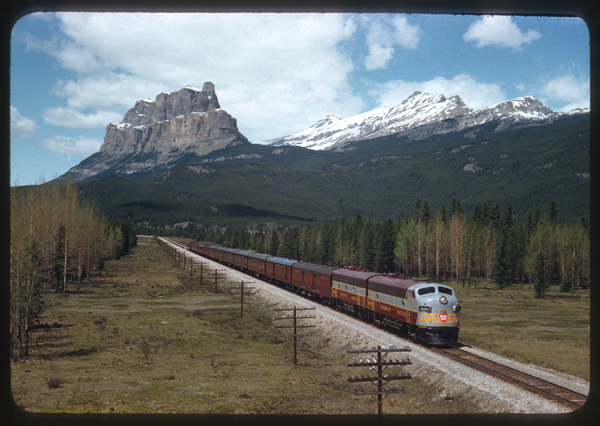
(418, 116)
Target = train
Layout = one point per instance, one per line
(422, 309)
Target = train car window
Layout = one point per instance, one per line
(445, 290)
(426, 290)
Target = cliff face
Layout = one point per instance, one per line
(159, 133)
(181, 132)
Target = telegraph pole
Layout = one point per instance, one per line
(217, 276)
(295, 326)
(382, 365)
(244, 293)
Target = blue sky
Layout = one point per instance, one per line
(277, 74)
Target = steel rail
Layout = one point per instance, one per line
(532, 385)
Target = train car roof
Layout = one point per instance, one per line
(259, 255)
(235, 251)
(313, 267)
(397, 281)
(281, 260)
(354, 272)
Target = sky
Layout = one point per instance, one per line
(277, 74)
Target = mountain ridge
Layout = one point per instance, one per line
(189, 125)
(418, 110)
(526, 168)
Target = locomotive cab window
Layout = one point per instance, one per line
(426, 290)
(445, 290)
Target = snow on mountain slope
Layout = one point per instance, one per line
(419, 109)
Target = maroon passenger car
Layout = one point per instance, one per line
(313, 279)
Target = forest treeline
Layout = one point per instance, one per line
(56, 240)
(441, 245)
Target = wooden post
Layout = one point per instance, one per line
(295, 339)
(379, 382)
(242, 301)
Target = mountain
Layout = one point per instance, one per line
(157, 134)
(255, 186)
(419, 116)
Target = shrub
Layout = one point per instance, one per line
(53, 383)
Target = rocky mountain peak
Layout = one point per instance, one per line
(181, 124)
(170, 105)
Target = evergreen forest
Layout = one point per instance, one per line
(444, 245)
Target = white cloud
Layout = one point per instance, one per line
(499, 31)
(107, 90)
(19, 125)
(69, 117)
(573, 92)
(284, 69)
(474, 94)
(67, 146)
(382, 36)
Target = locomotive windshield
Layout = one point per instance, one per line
(427, 290)
(446, 290)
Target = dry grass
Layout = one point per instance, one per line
(552, 332)
(145, 338)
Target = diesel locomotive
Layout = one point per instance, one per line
(424, 310)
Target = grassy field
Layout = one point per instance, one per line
(144, 337)
(552, 332)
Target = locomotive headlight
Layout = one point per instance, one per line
(443, 300)
(424, 308)
(456, 308)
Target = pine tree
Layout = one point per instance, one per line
(493, 214)
(508, 221)
(426, 216)
(552, 212)
(417, 211)
(326, 245)
(503, 270)
(456, 207)
(367, 244)
(274, 243)
(384, 255)
(529, 220)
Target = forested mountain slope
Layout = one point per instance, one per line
(253, 184)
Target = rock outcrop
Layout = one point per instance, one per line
(157, 134)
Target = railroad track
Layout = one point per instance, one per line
(537, 386)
